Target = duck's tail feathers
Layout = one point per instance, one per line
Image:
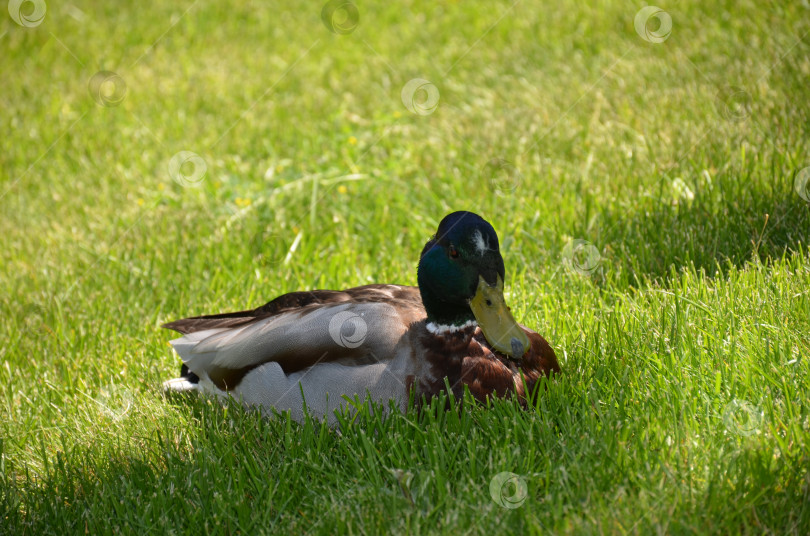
(203, 323)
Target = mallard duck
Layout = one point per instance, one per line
(310, 349)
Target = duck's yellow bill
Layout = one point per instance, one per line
(496, 320)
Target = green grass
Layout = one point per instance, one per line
(683, 406)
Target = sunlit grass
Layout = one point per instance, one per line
(681, 322)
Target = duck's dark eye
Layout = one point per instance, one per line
(453, 252)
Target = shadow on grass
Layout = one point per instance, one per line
(198, 478)
(231, 471)
(710, 226)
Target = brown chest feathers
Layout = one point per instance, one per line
(465, 357)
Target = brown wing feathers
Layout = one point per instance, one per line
(299, 301)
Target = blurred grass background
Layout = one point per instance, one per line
(676, 161)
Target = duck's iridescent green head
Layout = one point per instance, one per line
(461, 276)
